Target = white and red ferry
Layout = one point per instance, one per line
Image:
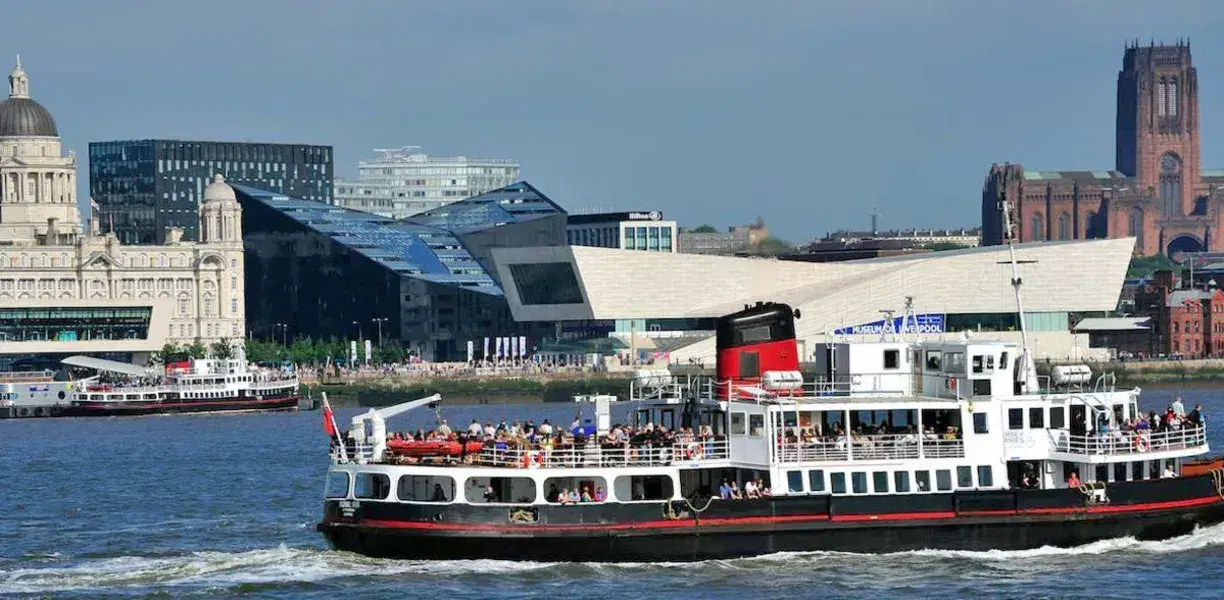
(188, 386)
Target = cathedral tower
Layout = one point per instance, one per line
(1158, 125)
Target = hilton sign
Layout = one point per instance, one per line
(653, 215)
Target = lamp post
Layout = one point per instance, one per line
(284, 332)
(380, 321)
(357, 324)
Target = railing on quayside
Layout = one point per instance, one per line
(1117, 443)
(591, 455)
(870, 447)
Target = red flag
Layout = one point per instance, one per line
(328, 422)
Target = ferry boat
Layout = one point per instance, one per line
(190, 386)
(32, 394)
(892, 445)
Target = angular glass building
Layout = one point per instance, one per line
(328, 271)
(144, 186)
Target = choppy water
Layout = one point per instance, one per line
(225, 505)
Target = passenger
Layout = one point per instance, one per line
(1168, 472)
(1178, 408)
(586, 494)
(1196, 416)
(553, 493)
(490, 495)
(574, 497)
(474, 429)
(600, 494)
(763, 490)
(750, 489)
(1073, 480)
(563, 497)
(439, 495)
(546, 428)
(444, 429)
(735, 492)
(724, 490)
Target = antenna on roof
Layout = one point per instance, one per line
(1026, 373)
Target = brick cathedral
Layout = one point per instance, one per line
(1157, 193)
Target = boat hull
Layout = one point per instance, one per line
(118, 409)
(975, 521)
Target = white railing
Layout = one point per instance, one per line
(590, 455)
(1126, 443)
(870, 447)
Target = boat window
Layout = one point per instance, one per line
(985, 476)
(373, 486)
(990, 362)
(964, 477)
(500, 490)
(954, 362)
(816, 480)
(1119, 472)
(979, 423)
(879, 482)
(901, 482)
(923, 479)
(737, 423)
(1058, 417)
(583, 487)
(978, 363)
(636, 488)
(1154, 473)
(337, 485)
(1117, 411)
(943, 480)
(1171, 464)
(1015, 418)
(1138, 473)
(837, 482)
(756, 425)
(892, 359)
(1036, 418)
(934, 360)
(1102, 473)
(425, 488)
(858, 482)
(1003, 361)
(794, 482)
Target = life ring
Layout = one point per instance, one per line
(533, 460)
(693, 451)
(950, 383)
(24, 412)
(1142, 444)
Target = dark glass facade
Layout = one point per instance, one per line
(144, 186)
(62, 324)
(331, 272)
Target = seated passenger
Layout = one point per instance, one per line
(724, 490)
(553, 493)
(439, 495)
(1073, 481)
(574, 497)
(763, 490)
(1168, 472)
(586, 494)
(490, 495)
(735, 492)
(750, 489)
(600, 494)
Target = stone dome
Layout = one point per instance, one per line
(25, 117)
(218, 190)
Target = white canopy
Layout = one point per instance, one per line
(101, 364)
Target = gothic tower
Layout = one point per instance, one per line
(1158, 125)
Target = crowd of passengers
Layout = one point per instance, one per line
(1174, 419)
(867, 435)
(546, 437)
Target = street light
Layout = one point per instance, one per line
(284, 332)
(380, 321)
(357, 324)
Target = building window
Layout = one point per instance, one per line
(1161, 98)
(1038, 224)
(1064, 226)
(1134, 227)
(1170, 184)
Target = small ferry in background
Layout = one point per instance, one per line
(185, 386)
(31, 394)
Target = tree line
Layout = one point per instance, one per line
(302, 351)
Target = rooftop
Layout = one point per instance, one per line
(515, 203)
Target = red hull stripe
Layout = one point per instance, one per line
(765, 520)
(181, 404)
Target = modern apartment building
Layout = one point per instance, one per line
(143, 187)
(402, 182)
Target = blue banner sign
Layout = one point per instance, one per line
(916, 324)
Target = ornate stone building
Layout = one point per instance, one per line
(67, 288)
(1157, 193)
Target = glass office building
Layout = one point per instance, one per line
(64, 324)
(625, 230)
(332, 272)
(143, 187)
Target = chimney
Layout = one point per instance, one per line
(52, 232)
(174, 235)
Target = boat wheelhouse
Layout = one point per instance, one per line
(193, 385)
(889, 445)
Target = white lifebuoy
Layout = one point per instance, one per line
(534, 460)
(693, 451)
(1142, 444)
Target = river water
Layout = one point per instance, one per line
(225, 505)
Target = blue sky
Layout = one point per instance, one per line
(804, 113)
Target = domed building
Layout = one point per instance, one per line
(66, 288)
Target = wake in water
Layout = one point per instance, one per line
(284, 565)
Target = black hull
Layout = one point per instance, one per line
(975, 521)
(117, 409)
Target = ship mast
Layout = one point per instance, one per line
(1026, 372)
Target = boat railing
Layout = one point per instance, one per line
(1118, 442)
(589, 455)
(870, 447)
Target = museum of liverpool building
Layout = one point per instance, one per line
(652, 301)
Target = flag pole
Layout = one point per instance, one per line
(336, 430)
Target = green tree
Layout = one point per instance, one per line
(197, 349)
(221, 349)
(940, 246)
(771, 246)
(707, 228)
(1145, 266)
(168, 353)
(262, 352)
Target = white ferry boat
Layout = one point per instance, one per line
(892, 445)
(191, 386)
(29, 394)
